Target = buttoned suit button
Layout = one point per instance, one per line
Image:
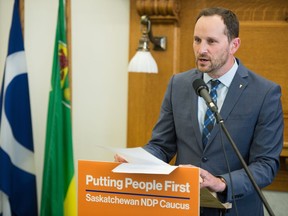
(204, 159)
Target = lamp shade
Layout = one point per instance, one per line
(143, 62)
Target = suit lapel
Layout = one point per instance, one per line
(194, 113)
(235, 90)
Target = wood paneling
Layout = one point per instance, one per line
(21, 11)
(264, 48)
(147, 90)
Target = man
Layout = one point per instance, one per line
(249, 105)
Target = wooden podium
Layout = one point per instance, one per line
(209, 199)
(104, 192)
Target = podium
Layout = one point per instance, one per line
(104, 192)
(209, 199)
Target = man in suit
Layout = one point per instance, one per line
(249, 105)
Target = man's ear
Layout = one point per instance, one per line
(235, 44)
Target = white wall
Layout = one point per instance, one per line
(100, 31)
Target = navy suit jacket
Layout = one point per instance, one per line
(252, 114)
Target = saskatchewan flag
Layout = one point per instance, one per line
(58, 186)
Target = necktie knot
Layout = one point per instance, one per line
(214, 84)
(213, 92)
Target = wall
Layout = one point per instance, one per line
(99, 59)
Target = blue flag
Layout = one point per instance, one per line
(18, 195)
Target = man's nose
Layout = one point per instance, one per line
(203, 48)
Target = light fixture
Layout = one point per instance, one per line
(143, 61)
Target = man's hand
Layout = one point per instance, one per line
(213, 183)
(120, 159)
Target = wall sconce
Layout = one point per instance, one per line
(143, 61)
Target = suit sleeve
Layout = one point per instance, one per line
(265, 149)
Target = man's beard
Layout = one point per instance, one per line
(215, 64)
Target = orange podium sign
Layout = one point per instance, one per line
(103, 192)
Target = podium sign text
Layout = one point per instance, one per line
(102, 192)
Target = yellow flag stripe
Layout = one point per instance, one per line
(70, 204)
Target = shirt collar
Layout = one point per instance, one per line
(227, 78)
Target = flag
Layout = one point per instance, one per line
(18, 194)
(58, 186)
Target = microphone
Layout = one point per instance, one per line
(202, 90)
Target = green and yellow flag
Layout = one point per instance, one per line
(58, 186)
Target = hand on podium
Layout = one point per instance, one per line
(209, 181)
